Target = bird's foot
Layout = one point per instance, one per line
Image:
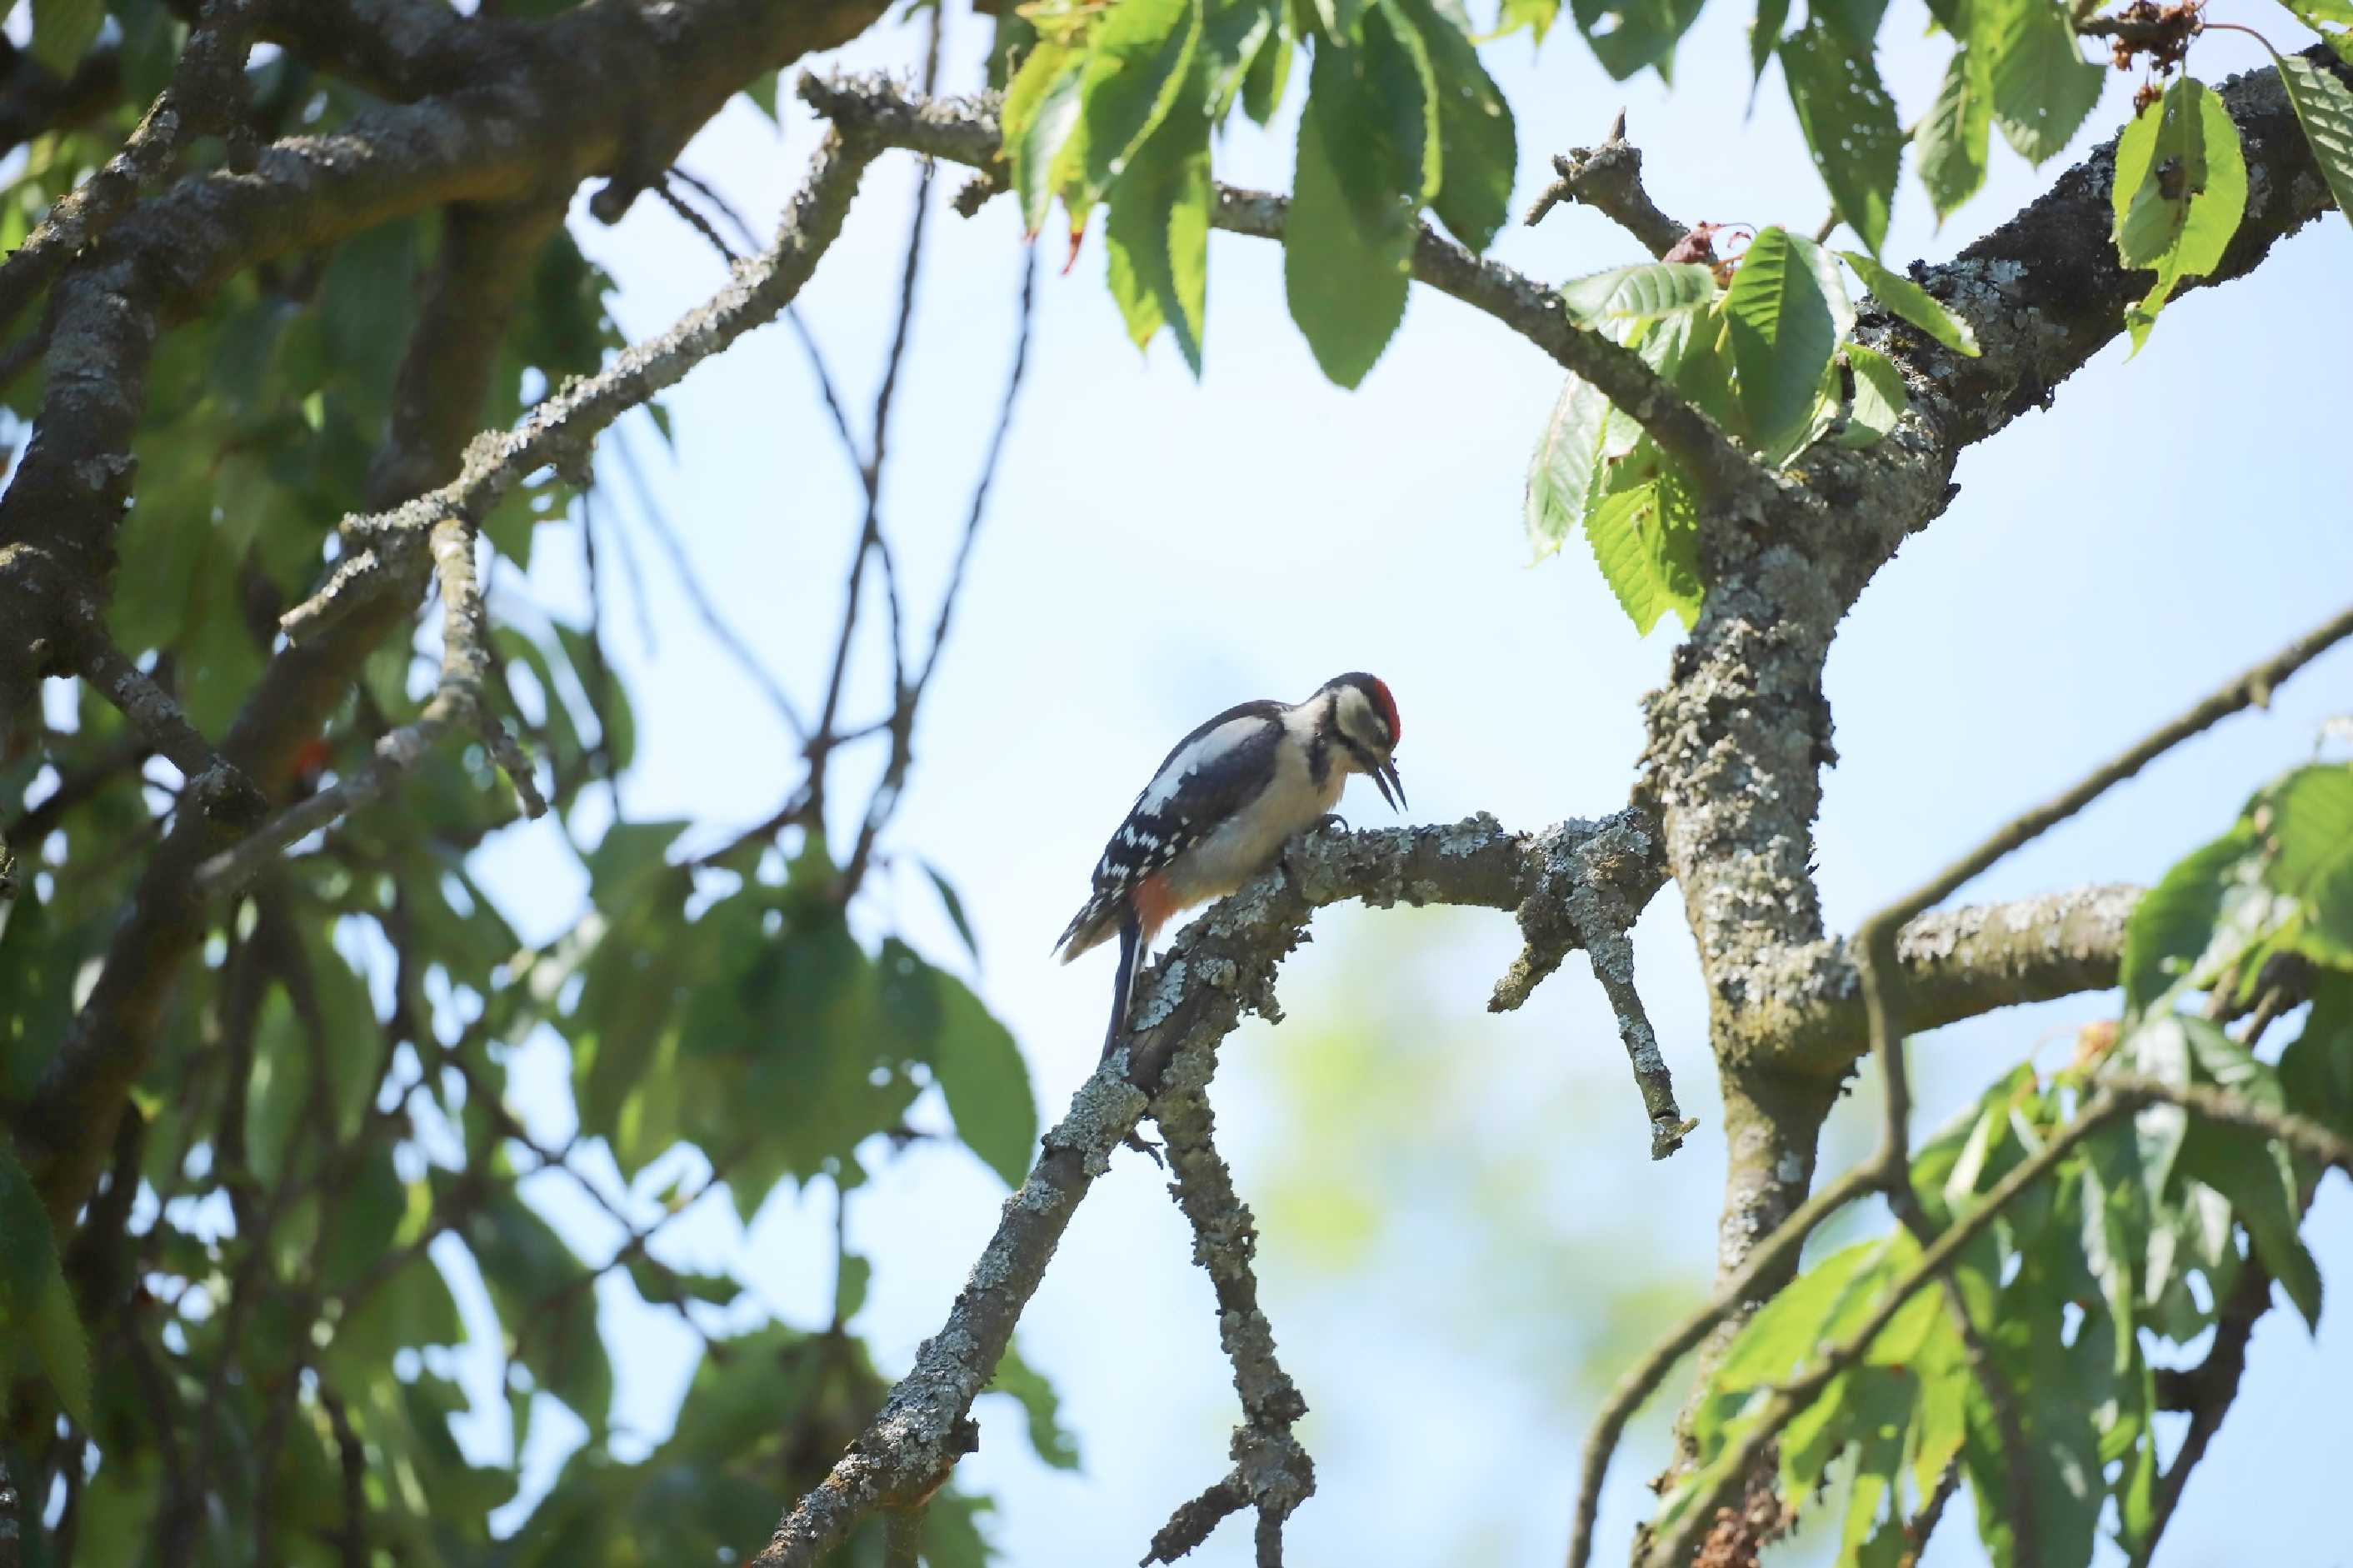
(1137, 1141)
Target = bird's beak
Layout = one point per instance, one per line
(1385, 779)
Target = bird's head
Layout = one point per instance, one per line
(1364, 723)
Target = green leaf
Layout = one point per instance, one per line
(1564, 472)
(1053, 1442)
(2306, 823)
(1646, 541)
(1347, 246)
(1270, 70)
(2180, 189)
(1628, 35)
(1536, 15)
(2174, 921)
(1856, 21)
(1783, 333)
(2260, 1181)
(1157, 236)
(2044, 88)
(979, 1069)
(61, 1347)
(1643, 292)
(28, 1252)
(1479, 147)
(1765, 37)
(1879, 397)
(1232, 32)
(1041, 111)
(63, 31)
(955, 906)
(2062, 1466)
(1850, 123)
(1914, 303)
(2332, 19)
(1137, 66)
(2325, 109)
(1952, 137)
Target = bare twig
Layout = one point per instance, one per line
(1608, 179)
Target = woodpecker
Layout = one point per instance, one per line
(1222, 805)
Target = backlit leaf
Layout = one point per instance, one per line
(2044, 88)
(2325, 109)
(1850, 123)
(1914, 303)
(1783, 333)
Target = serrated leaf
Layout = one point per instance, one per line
(2325, 109)
(28, 1254)
(1562, 473)
(1270, 70)
(1914, 303)
(1951, 137)
(1479, 145)
(2306, 823)
(1138, 63)
(1880, 399)
(1232, 32)
(1850, 123)
(1646, 541)
(2332, 19)
(1347, 252)
(2174, 921)
(1856, 21)
(2180, 189)
(1156, 238)
(63, 31)
(2044, 88)
(2260, 1181)
(1652, 289)
(980, 1071)
(1783, 332)
(1041, 111)
(1626, 35)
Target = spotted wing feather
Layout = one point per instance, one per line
(1204, 779)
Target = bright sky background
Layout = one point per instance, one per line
(1159, 548)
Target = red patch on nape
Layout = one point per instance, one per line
(1389, 709)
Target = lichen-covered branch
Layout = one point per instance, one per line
(1608, 179)
(1220, 967)
(1271, 1470)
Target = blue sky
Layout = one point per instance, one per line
(1159, 548)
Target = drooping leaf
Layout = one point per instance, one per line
(1041, 110)
(1052, 1441)
(1850, 123)
(2325, 109)
(1480, 148)
(1952, 137)
(2179, 192)
(1914, 303)
(1626, 35)
(1270, 70)
(1783, 333)
(1856, 21)
(955, 906)
(1138, 63)
(979, 1069)
(1650, 290)
(1347, 246)
(1765, 37)
(2044, 88)
(1879, 397)
(1157, 238)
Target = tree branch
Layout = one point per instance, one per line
(206, 93)
(965, 131)
(1220, 967)
(1608, 179)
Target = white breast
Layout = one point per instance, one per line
(1242, 848)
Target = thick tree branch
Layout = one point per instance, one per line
(1220, 967)
(205, 94)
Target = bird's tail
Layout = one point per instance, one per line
(1131, 959)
